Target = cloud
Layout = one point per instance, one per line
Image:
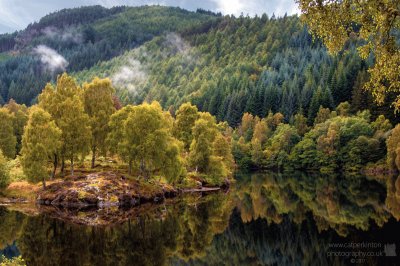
(230, 6)
(174, 41)
(68, 34)
(51, 60)
(256, 7)
(130, 75)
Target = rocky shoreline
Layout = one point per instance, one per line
(108, 189)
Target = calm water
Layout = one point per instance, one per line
(266, 219)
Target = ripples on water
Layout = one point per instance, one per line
(266, 219)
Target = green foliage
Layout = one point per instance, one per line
(393, 149)
(20, 113)
(339, 142)
(347, 142)
(186, 116)
(4, 171)
(40, 142)
(361, 151)
(65, 105)
(374, 22)
(300, 123)
(99, 106)
(343, 109)
(83, 36)
(242, 153)
(8, 140)
(236, 65)
(142, 137)
(204, 133)
(280, 144)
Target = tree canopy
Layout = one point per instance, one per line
(375, 22)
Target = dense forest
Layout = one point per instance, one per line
(260, 87)
(75, 39)
(237, 65)
(288, 124)
(224, 65)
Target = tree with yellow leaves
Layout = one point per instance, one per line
(186, 116)
(8, 140)
(40, 141)
(4, 171)
(65, 104)
(376, 22)
(143, 138)
(99, 105)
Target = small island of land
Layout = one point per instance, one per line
(115, 156)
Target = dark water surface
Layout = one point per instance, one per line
(265, 219)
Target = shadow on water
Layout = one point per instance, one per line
(266, 219)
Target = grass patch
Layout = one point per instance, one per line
(22, 189)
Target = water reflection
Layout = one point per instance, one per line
(267, 218)
(337, 202)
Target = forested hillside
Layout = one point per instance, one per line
(225, 65)
(236, 65)
(75, 39)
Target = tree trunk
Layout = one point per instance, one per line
(93, 156)
(130, 167)
(55, 163)
(142, 168)
(72, 166)
(62, 165)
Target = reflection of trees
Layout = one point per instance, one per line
(278, 220)
(267, 197)
(338, 202)
(186, 230)
(11, 224)
(200, 220)
(261, 243)
(280, 217)
(393, 196)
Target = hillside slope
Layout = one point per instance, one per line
(236, 65)
(75, 39)
(224, 65)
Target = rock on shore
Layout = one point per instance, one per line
(103, 189)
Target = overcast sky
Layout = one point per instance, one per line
(17, 14)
